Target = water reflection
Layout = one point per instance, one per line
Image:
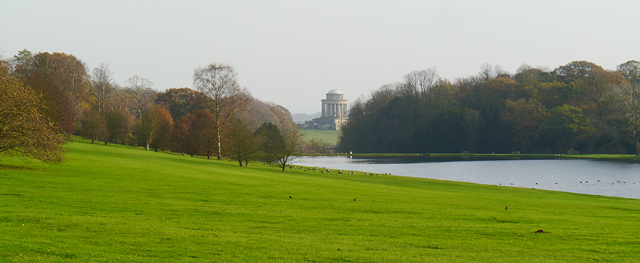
(578, 176)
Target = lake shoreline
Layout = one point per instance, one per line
(499, 156)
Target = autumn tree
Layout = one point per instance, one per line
(258, 112)
(71, 74)
(591, 82)
(118, 123)
(182, 101)
(164, 127)
(203, 134)
(271, 138)
(278, 147)
(154, 127)
(524, 116)
(244, 146)
(182, 141)
(36, 74)
(22, 64)
(575, 70)
(219, 82)
(93, 126)
(564, 127)
(24, 130)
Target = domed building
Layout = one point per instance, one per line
(334, 113)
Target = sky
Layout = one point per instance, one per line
(293, 52)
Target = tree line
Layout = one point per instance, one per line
(49, 96)
(577, 107)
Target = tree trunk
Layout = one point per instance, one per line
(240, 162)
(218, 137)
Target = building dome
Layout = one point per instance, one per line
(334, 91)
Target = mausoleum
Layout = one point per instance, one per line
(334, 113)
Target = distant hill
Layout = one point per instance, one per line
(302, 117)
(259, 112)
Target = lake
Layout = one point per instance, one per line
(595, 177)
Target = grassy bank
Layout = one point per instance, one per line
(120, 204)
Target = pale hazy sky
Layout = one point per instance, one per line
(293, 52)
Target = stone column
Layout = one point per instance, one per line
(328, 109)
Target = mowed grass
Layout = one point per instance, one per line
(328, 136)
(120, 204)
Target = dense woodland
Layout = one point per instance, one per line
(577, 107)
(49, 97)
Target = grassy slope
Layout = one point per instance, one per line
(117, 204)
(328, 136)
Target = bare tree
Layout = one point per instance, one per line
(218, 82)
(499, 71)
(143, 94)
(422, 82)
(486, 72)
(291, 145)
(102, 84)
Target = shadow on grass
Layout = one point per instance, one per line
(16, 167)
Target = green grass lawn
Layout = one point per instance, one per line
(328, 136)
(120, 204)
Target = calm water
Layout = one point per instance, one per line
(607, 178)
